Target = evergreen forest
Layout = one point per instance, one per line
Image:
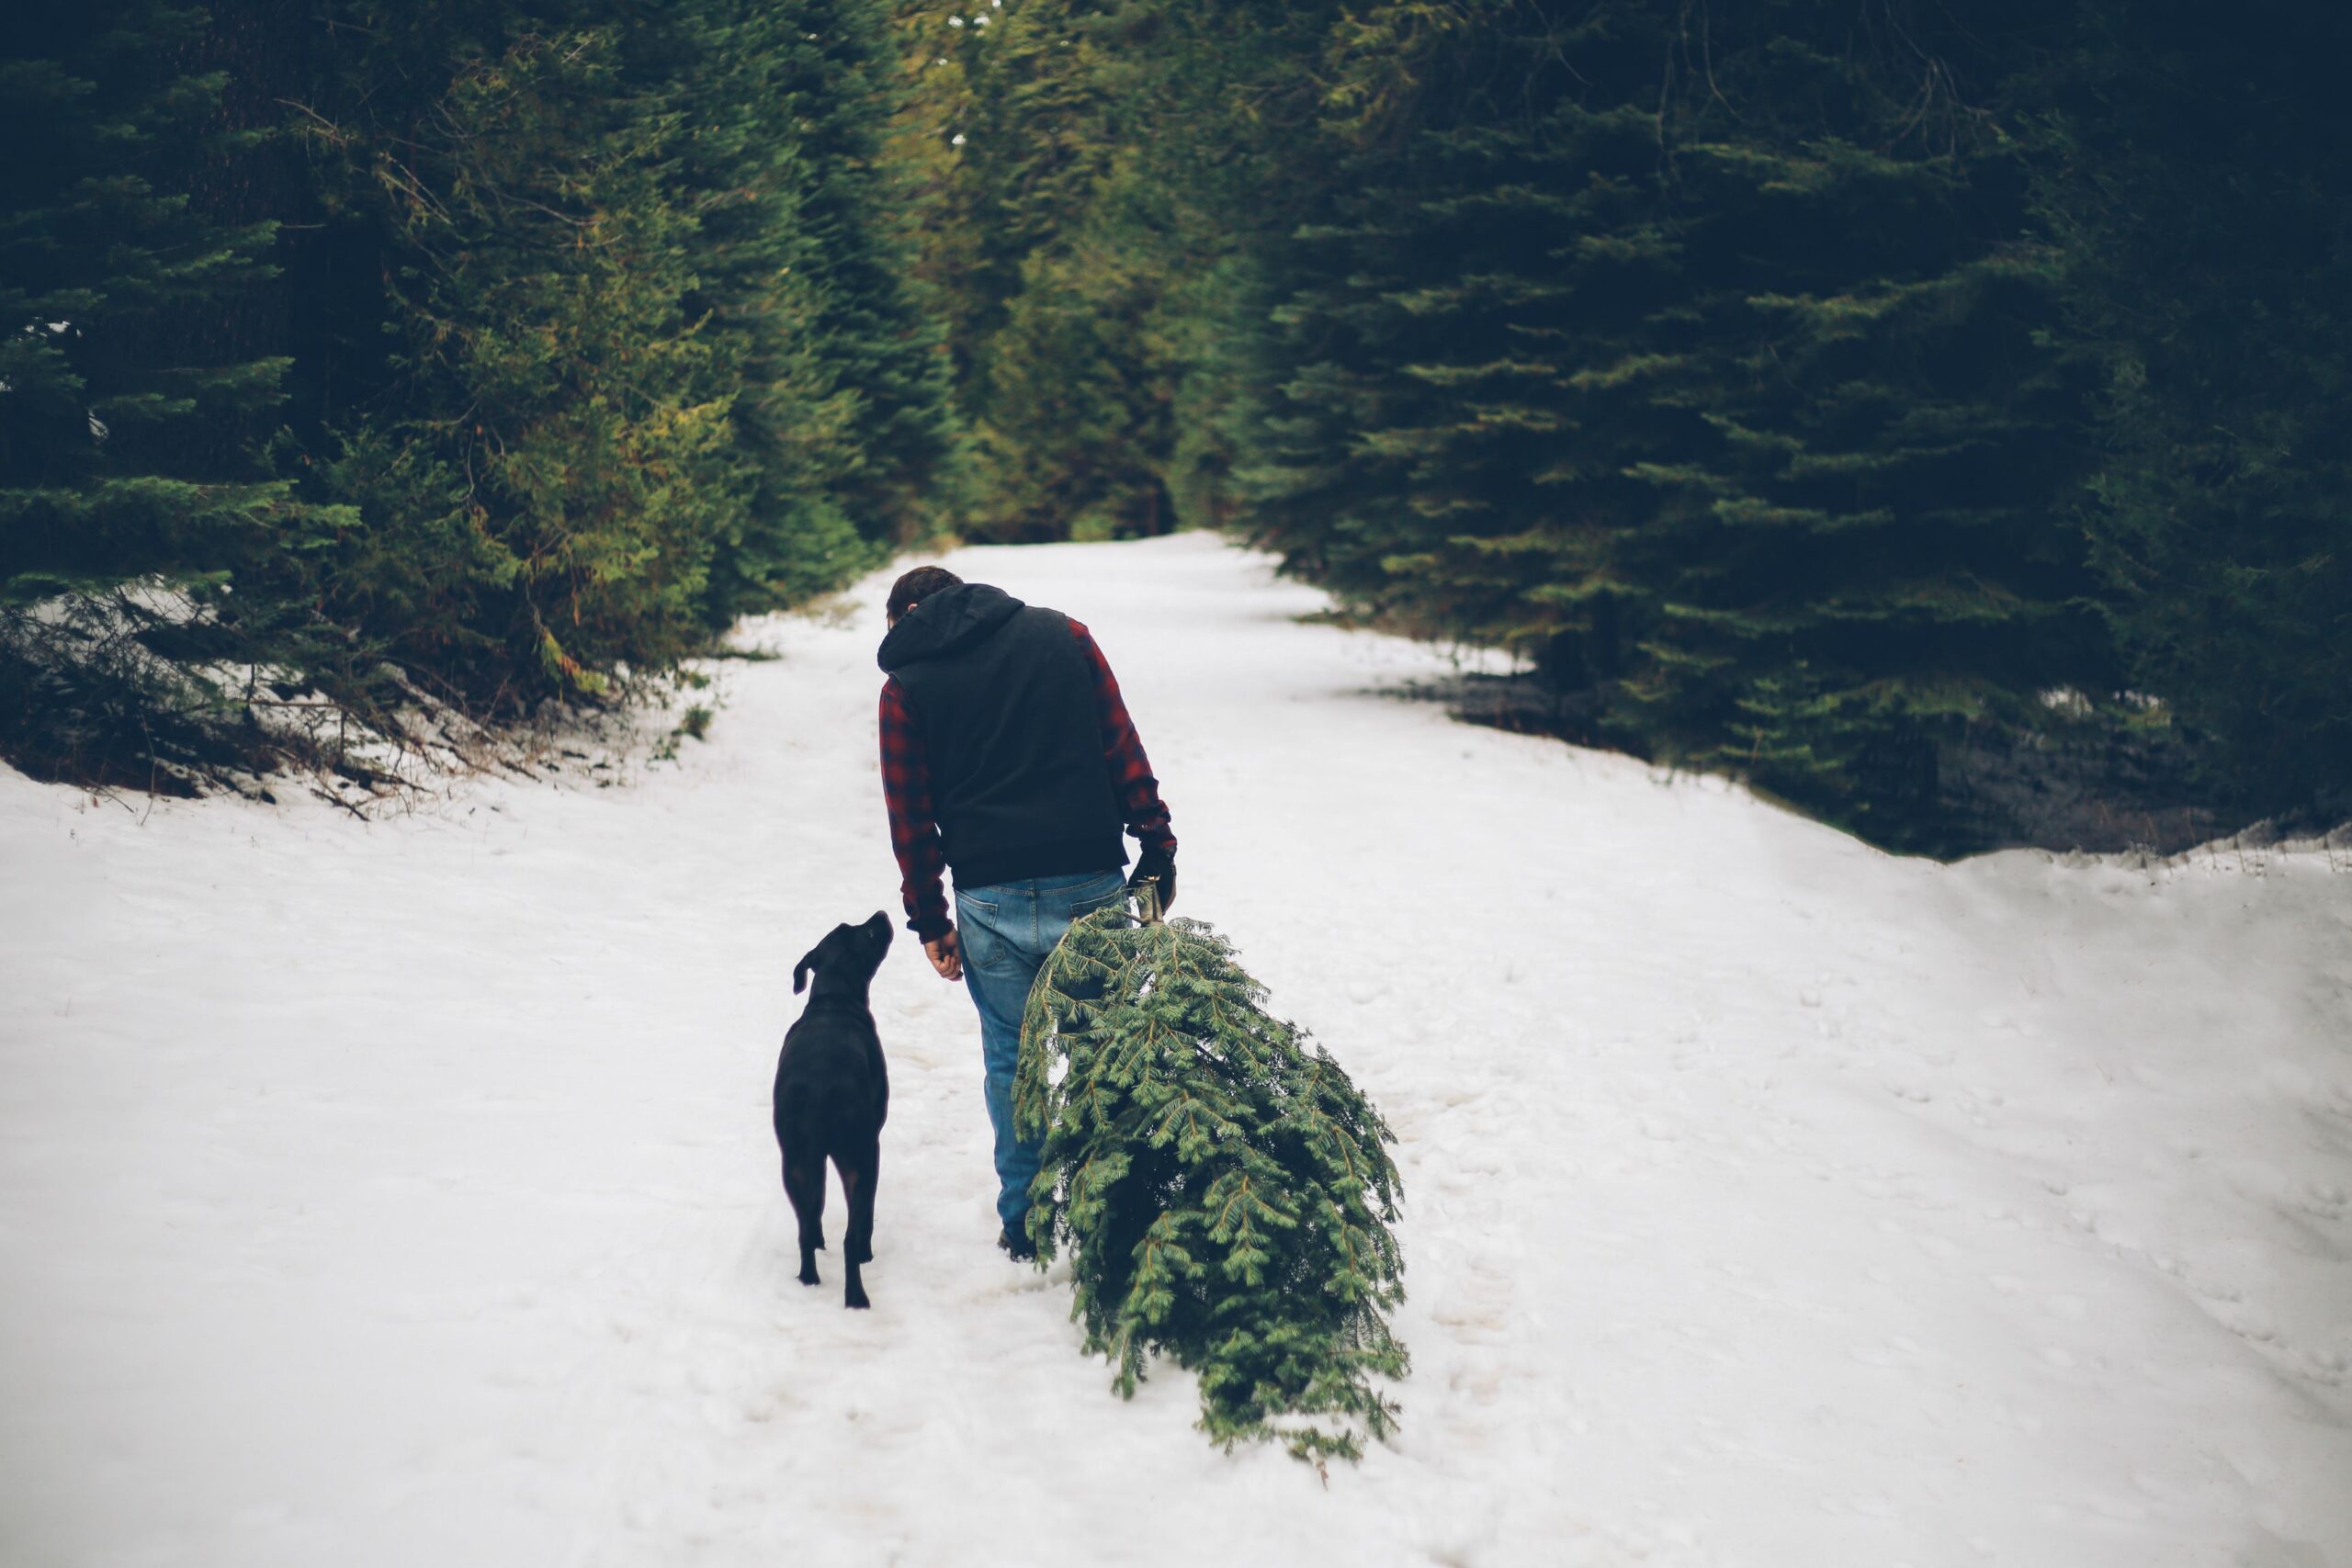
(1920, 410)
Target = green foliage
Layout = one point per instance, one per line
(1221, 1188)
(1076, 429)
(1809, 389)
(129, 503)
(1058, 387)
(2205, 202)
(552, 396)
(817, 84)
(1097, 178)
(509, 349)
(759, 293)
(1724, 400)
(1864, 552)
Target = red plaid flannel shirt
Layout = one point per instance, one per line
(906, 786)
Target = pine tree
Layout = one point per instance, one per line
(510, 348)
(143, 533)
(1076, 431)
(2203, 195)
(1220, 1187)
(1701, 360)
(1058, 387)
(1867, 552)
(1038, 138)
(804, 272)
(743, 173)
(1111, 166)
(546, 472)
(878, 331)
(1473, 327)
(656, 358)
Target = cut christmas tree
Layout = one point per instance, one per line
(1220, 1185)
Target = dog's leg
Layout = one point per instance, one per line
(857, 1187)
(805, 1185)
(858, 1241)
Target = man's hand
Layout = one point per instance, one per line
(1153, 866)
(946, 955)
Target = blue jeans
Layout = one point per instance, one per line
(1009, 929)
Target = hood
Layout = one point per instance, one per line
(948, 622)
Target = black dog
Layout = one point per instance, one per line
(832, 1094)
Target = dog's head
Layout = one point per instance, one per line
(856, 951)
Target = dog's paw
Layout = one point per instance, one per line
(809, 1277)
(855, 1297)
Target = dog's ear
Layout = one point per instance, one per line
(800, 970)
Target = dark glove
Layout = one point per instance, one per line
(1159, 865)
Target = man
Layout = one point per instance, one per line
(1007, 756)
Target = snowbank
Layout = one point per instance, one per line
(401, 1192)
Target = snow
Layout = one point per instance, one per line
(401, 1192)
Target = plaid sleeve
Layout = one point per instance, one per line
(914, 835)
(1139, 802)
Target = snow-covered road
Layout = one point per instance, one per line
(401, 1193)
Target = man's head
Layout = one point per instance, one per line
(915, 586)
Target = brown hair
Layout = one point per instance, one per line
(918, 586)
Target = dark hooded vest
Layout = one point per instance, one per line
(1004, 701)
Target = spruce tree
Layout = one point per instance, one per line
(1868, 551)
(1106, 175)
(2202, 195)
(551, 457)
(142, 534)
(656, 360)
(1059, 388)
(506, 349)
(878, 331)
(1703, 362)
(1473, 329)
(743, 173)
(1037, 137)
(1078, 431)
(1220, 1186)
